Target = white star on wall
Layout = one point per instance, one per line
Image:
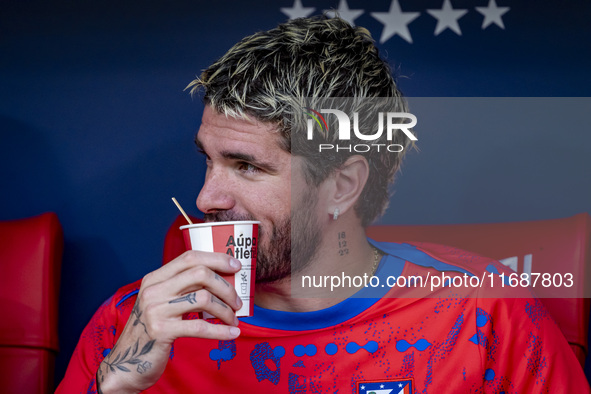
(492, 14)
(395, 22)
(298, 10)
(447, 17)
(345, 13)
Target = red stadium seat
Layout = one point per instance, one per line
(174, 244)
(546, 246)
(30, 262)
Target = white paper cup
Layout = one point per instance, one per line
(238, 239)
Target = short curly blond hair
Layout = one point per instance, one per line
(272, 75)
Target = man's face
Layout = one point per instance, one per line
(249, 177)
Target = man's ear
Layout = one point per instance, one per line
(348, 183)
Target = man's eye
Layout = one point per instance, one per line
(247, 167)
(207, 158)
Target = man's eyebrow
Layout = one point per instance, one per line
(199, 144)
(240, 156)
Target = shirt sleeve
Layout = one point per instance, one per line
(96, 341)
(523, 350)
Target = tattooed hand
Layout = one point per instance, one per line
(187, 284)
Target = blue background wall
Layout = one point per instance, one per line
(95, 124)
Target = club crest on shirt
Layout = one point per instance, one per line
(391, 386)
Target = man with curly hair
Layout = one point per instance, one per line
(314, 196)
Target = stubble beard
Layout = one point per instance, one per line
(288, 247)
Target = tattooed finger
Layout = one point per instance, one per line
(217, 277)
(218, 301)
(190, 298)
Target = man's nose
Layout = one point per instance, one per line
(216, 194)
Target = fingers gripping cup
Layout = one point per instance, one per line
(238, 239)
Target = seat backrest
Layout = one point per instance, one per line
(174, 244)
(30, 263)
(548, 246)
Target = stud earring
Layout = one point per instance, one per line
(335, 214)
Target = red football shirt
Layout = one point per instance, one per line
(449, 339)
